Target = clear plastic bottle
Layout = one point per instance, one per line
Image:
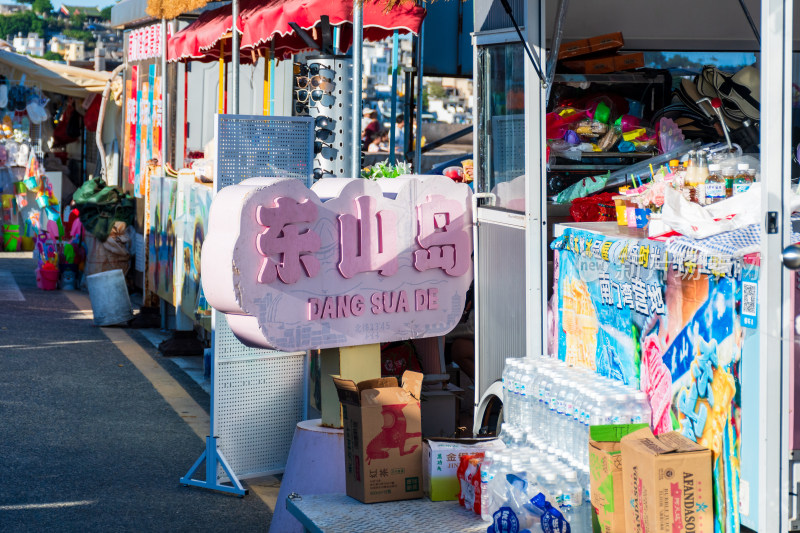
(742, 181)
(571, 504)
(488, 470)
(642, 412)
(728, 173)
(715, 185)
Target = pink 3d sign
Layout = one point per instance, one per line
(345, 263)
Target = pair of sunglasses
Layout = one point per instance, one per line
(323, 121)
(300, 108)
(315, 81)
(319, 174)
(319, 145)
(316, 95)
(314, 69)
(325, 134)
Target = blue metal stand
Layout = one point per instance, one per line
(213, 457)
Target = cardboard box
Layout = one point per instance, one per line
(608, 43)
(667, 480)
(599, 65)
(605, 474)
(382, 438)
(629, 61)
(440, 464)
(577, 48)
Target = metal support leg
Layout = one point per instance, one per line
(213, 457)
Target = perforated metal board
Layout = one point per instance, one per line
(250, 146)
(258, 396)
(258, 400)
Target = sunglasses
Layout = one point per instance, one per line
(324, 135)
(318, 68)
(315, 81)
(300, 108)
(319, 145)
(323, 121)
(319, 173)
(316, 95)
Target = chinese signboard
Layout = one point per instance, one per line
(346, 263)
(145, 43)
(629, 312)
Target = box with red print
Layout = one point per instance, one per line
(382, 437)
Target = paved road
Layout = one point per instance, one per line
(86, 442)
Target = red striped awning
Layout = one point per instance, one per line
(262, 24)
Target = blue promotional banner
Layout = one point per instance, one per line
(668, 327)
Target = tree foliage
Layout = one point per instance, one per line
(53, 56)
(42, 6)
(24, 22)
(105, 13)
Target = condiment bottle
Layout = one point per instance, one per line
(674, 166)
(743, 179)
(728, 173)
(690, 178)
(715, 185)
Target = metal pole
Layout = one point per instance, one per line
(392, 140)
(774, 283)
(418, 139)
(358, 31)
(235, 56)
(164, 93)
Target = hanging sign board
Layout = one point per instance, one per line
(345, 263)
(145, 43)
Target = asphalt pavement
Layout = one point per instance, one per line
(87, 443)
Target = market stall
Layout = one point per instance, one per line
(687, 335)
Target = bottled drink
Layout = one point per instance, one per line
(642, 414)
(743, 180)
(488, 469)
(572, 504)
(674, 166)
(696, 176)
(728, 174)
(690, 176)
(715, 185)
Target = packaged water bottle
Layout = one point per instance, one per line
(643, 413)
(572, 504)
(488, 469)
(618, 412)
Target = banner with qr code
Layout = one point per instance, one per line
(672, 333)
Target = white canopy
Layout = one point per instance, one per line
(51, 76)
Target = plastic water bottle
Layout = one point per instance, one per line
(642, 413)
(572, 504)
(488, 469)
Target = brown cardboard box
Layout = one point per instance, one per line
(598, 65)
(629, 61)
(382, 438)
(668, 481)
(610, 42)
(577, 48)
(605, 466)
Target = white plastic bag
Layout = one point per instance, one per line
(700, 222)
(3, 96)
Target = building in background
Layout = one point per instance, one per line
(31, 44)
(69, 49)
